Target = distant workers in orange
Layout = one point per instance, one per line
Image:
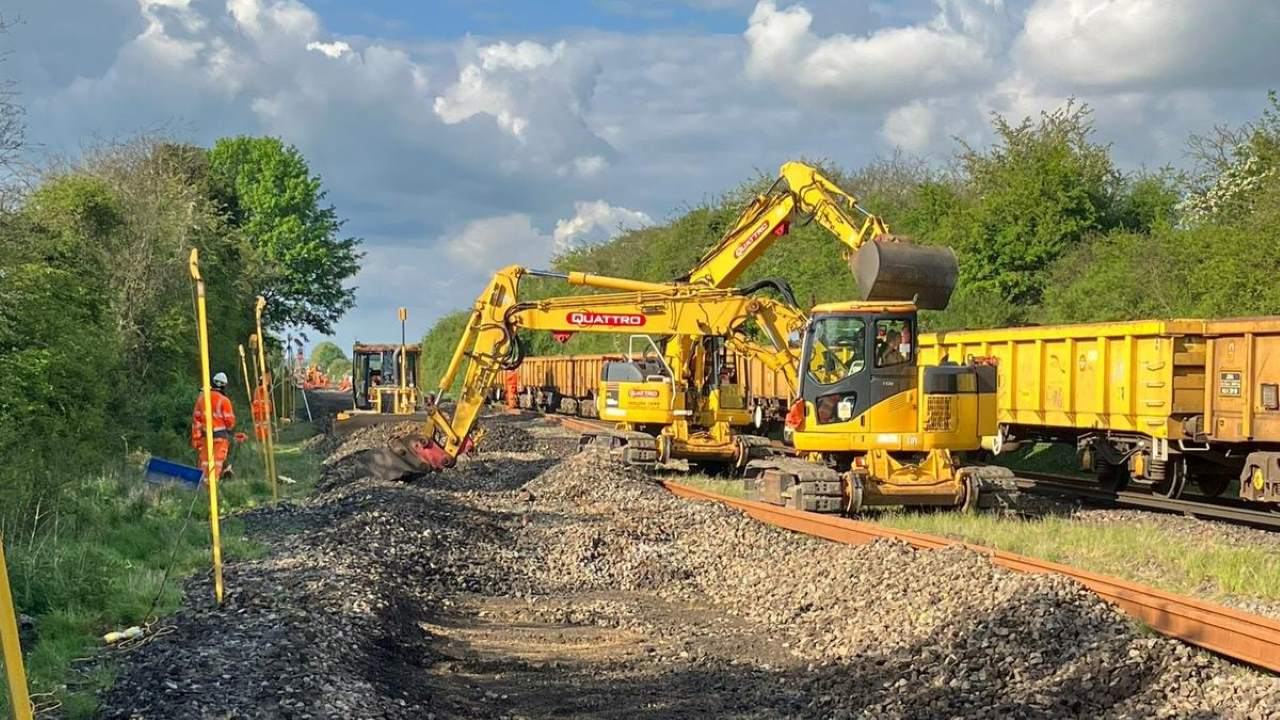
(261, 409)
(224, 422)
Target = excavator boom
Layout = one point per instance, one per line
(885, 266)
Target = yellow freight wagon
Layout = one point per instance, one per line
(1159, 401)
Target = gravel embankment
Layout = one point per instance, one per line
(522, 585)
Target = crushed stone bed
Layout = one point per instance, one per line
(536, 583)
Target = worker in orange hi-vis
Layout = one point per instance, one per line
(224, 423)
(513, 388)
(261, 409)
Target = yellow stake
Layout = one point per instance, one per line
(249, 382)
(266, 391)
(18, 696)
(402, 391)
(211, 466)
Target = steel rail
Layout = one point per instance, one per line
(1235, 634)
(1129, 498)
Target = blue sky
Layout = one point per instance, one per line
(443, 19)
(458, 136)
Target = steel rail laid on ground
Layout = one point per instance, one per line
(1235, 634)
(1232, 633)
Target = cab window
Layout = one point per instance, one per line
(893, 342)
(838, 349)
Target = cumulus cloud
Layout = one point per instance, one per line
(1150, 44)
(487, 244)
(335, 49)
(484, 245)
(912, 127)
(952, 52)
(596, 221)
(537, 94)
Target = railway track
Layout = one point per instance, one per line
(1065, 485)
(1238, 635)
(1216, 510)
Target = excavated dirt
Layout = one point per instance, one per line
(523, 585)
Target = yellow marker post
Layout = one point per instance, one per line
(266, 391)
(18, 695)
(403, 390)
(249, 382)
(211, 465)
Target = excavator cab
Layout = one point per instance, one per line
(893, 428)
(379, 393)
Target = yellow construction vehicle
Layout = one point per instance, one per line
(703, 427)
(489, 345)
(874, 426)
(384, 384)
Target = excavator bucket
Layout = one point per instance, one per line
(410, 457)
(895, 270)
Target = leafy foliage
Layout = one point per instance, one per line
(325, 353)
(271, 195)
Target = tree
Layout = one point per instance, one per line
(339, 368)
(1040, 190)
(325, 353)
(274, 200)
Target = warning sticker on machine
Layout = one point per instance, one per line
(1229, 384)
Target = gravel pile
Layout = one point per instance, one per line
(520, 584)
(329, 625)
(887, 630)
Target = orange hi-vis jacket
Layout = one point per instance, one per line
(224, 417)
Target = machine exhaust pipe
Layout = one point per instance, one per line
(894, 270)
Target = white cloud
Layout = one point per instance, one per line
(1151, 44)
(537, 94)
(596, 221)
(889, 65)
(335, 49)
(589, 165)
(912, 127)
(488, 244)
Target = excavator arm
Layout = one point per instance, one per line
(884, 266)
(489, 345)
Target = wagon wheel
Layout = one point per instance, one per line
(1175, 479)
(1213, 485)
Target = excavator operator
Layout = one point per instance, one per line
(224, 423)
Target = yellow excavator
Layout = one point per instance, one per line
(384, 384)
(874, 427)
(704, 423)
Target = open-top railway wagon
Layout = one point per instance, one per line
(1164, 404)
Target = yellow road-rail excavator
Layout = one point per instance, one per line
(709, 425)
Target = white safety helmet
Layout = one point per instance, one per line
(220, 380)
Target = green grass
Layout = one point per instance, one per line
(98, 564)
(1204, 567)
